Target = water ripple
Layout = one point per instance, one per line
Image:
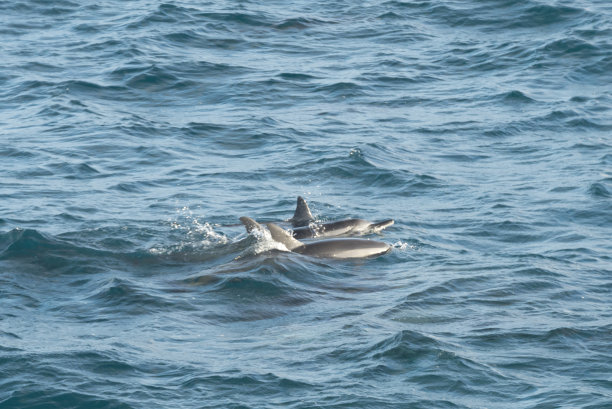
(134, 137)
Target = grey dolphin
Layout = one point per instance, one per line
(304, 228)
(339, 228)
(332, 248)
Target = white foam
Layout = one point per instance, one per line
(198, 235)
(401, 245)
(264, 243)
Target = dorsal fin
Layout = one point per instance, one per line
(302, 215)
(283, 236)
(250, 224)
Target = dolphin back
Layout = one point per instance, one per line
(376, 227)
(282, 236)
(348, 227)
(345, 248)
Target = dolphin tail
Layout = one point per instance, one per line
(302, 215)
(381, 225)
(282, 236)
(250, 224)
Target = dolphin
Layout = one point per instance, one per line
(343, 227)
(304, 227)
(332, 248)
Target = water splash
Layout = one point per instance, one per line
(402, 245)
(197, 235)
(263, 242)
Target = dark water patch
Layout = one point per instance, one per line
(447, 15)
(571, 47)
(19, 241)
(600, 69)
(17, 297)
(165, 13)
(141, 186)
(105, 363)
(446, 128)
(292, 76)
(507, 130)
(114, 49)
(407, 350)
(570, 238)
(507, 232)
(9, 335)
(41, 67)
(133, 187)
(362, 171)
(203, 130)
(342, 90)
(51, 254)
(258, 384)
(26, 91)
(73, 171)
(87, 28)
(51, 397)
(411, 313)
(515, 97)
(390, 15)
(194, 38)
(580, 99)
(562, 338)
(60, 111)
(106, 46)
(124, 296)
(392, 80)
(405, 101)
(467, 158)
(259, 290)
(576, 254)
(204, 70)
(70, 217)
(154, 79)
(87, 89)
(66, 8)
(129, 239)
(599, 190)
(561, 115)
(236, 19)
(404, 346)
(34, 173)
(299, 23)
(590, 147)
(584, 124)
(545, 15)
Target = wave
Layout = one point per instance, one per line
(364, 172)
(599, 190)
(62, 398)
(117, 297)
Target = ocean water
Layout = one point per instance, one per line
(135, 134)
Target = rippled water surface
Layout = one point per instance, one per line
(135, 134)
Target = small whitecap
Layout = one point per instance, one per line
(355, 152)
(401, 245)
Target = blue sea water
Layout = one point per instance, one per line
(134, 134)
